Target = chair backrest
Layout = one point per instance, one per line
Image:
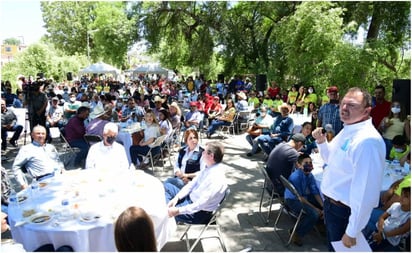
(289, 186)
(92, 138)
(270, 187)
(227, 192)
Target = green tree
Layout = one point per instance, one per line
(104, 28)
(12, 41)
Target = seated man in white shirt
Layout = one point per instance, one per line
(107, 154)
(38, 158)
(196, 201)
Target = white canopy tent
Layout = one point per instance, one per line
(151, 68)
(100, 68)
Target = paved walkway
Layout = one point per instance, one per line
(239, 220)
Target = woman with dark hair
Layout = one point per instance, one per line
(134, 231)
(165, 123)
(227, 117)
(189, 161)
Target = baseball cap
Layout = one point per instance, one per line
(333, 89)
(55, 98)
(299, 138)
(193, 103)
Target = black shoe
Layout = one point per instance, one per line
(249, 154)
(3, 148)
(13, 143)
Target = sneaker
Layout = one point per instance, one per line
(13, 143)
(146, 160)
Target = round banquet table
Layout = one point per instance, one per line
(104, 193)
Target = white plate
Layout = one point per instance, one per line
(89, 217)
(41, 218)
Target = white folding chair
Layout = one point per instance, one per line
(157, 143)
(230, 129)
(212, 222)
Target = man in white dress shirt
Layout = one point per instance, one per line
(196, 201)
(355, 161)
(107, 154)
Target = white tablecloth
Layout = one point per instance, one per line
(106, 192)
(125, 136)
(390, 174)
(299, 119)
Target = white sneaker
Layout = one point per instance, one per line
(146, 160)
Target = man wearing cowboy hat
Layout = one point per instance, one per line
(193, 117)
(100, 118)
(279, 131)
(241, 104)
(158, 102)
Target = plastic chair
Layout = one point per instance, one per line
(285, 209)
(156, 144)
(212, 222)
(268, 188)
(92, 138)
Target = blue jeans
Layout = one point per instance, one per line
(336, 221)
(200, 217)
(176, 181)
(256, 141)
(17, 129)
(308, 220)
(268, 143)
(215, 125)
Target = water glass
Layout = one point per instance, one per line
(65, 211)
(34, 188)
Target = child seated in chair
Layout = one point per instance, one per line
(400, 148)
(393, 224)
(311, 202)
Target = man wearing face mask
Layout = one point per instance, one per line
(305, 184)
(70, 107)
(329, 112)
(107, 154)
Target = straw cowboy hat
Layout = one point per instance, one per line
(284, 105)
(158, 99)
(97, 112)
(242, 95)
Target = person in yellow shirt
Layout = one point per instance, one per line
(292, 95)
(325, 98)
(400, 148)
(267, 101)
(253, 100)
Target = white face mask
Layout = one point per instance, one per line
(72, 100)
(399, 150)
(310, 90)
(395, 110)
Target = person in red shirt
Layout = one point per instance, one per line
(273, 90)
(382, 106)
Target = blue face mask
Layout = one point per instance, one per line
(307, 168)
